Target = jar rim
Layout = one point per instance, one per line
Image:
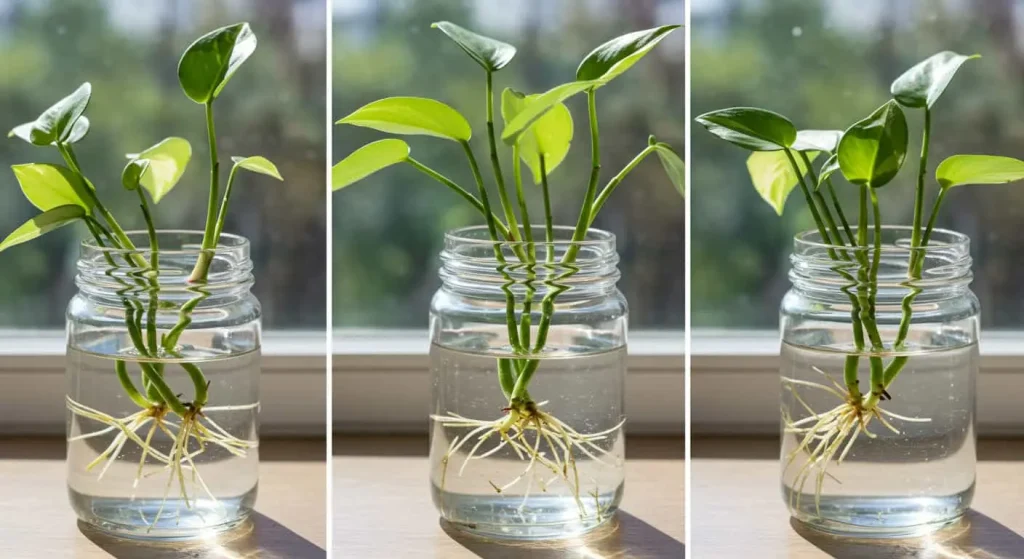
(941, 240)
(479, 235)
(188, 243)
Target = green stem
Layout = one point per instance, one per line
(202, 267)
(839, 212)
(499, 178)
(501, 229)
(154, 266)
(549, 222)
(222, 214)
(527, 315)
(607, 191)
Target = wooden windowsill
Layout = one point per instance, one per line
(739, 510)
(382, 507)
(38, 522)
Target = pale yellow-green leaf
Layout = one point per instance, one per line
(167, 162)
(48, 186)
(959, 170)
(368, 160)
(42, 224)
(773, 175)
(412, 116)
(550, 136)
(258, 164)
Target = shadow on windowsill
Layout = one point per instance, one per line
(975, 536)
(259, 537)
(625, 537)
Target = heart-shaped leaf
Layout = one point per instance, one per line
(921, 86)
(258, 164)
(368, 160)
(78, 131)
(959, 170)
(539, 106)
(616, 56)
(213, 59)
(48, 186)
(492, 54)
(750, 128)
(829, 168)
(549, 137)
(412, 116)
(872, 151)
(132, 173)
(817, 140)
(674, 166)
(59, 122)
(167, 162)
(42, 224)
(774, 177)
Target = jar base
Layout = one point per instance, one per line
(132, 519)
(505, 518)
(881, 518)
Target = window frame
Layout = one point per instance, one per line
(722, 360)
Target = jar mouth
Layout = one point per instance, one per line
(172, 242)
(479, 236)
(896, 239)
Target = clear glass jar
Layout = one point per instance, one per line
(163, 391)
(895, 455)
(538, 463)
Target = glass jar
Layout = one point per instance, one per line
(163, 388)
(528, 360)
(878, 434)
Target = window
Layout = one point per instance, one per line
(384, 48)
(129, 51)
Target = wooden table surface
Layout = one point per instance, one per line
(383, 510)
(738, 511)
(36, 520)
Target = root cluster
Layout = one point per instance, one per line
(554, 448)
(190, 436)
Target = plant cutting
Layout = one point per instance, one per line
(523, 268)
(869, 304)
(155, 299)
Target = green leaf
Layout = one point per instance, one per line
(817, 140)
(750, 128)
(412, 116)
(167, 162)
(773, 175)
(616, 56)
(493, 55)
(368, 160)
(829, 168)
(60, 122)
(132, 173)
(258, 164)
(42, 224)
(872, 151)
(959, 170)
(550, 137)
(213, 59)
(921, 86)
(674, 166)
(49, 186)
(539, 106)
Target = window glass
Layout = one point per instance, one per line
(826, 64)
(129, 50)
(388, 230)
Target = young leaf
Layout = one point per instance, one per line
(167, 162)
(920, 86)
(817, 140)
(57, 123)
(258, 164)
(750, 128)
(959, 170)
(549, 137)
(412, 115)
(828, 169)
(493, 55)
(539, 106)
(213, 59)
(773, 175)
(872, 151)
(42, 224)
(674, 166)
(368, 160)
(49, 186)
(132, 173)
(78, 131)
(616, 56)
